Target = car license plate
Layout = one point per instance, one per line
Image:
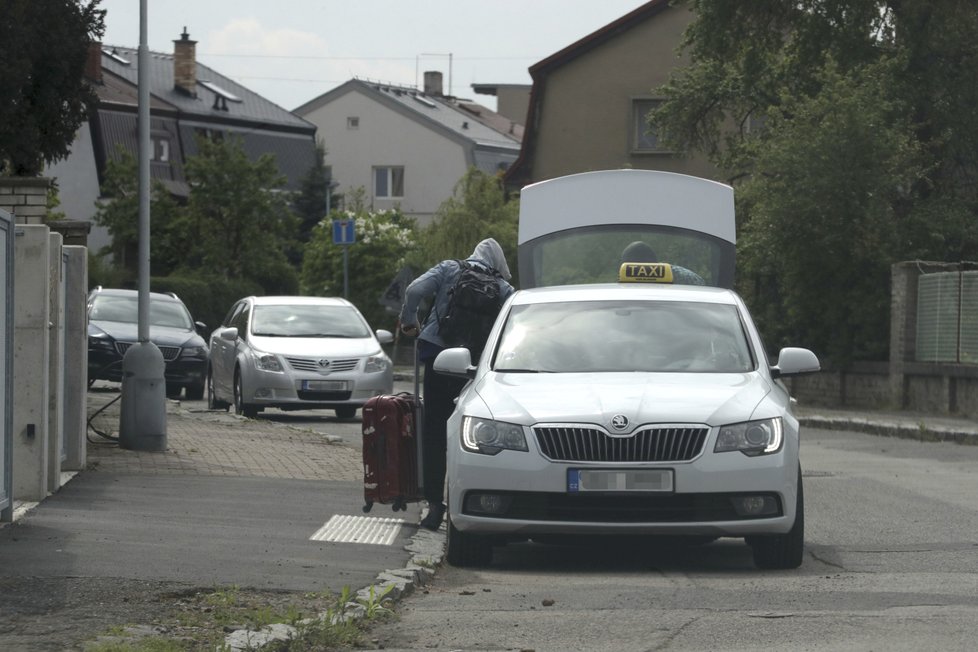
(324, 385)
(618, 480)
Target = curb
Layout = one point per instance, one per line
(881, 427)
(428, 550)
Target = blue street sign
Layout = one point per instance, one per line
(343, 232)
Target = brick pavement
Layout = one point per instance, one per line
(218, 443)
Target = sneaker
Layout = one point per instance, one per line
(433, 520)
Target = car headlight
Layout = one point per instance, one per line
(489, 437)
(100, 342)
(751, 437)
(194, 352)
(377, 363)
(267, 362)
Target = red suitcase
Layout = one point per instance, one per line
(390, 451)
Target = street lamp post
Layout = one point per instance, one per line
(142, 418)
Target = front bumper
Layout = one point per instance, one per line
(286, 391)
(534, 492)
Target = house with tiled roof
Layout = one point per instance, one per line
(588, 103)
(408, 148)
(187, 99)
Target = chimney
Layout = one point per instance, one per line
(185, 64)
(432, 83)
(93, 65)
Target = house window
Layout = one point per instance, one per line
(160, 150)
(644, 137)
(388, 182)
(353, 122)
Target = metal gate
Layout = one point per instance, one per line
(6, 365)
(947, 317)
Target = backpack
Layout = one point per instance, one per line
(473, 303)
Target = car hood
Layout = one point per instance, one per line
(317, 347)
(159, 335)
(712, 399)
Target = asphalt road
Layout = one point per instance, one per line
(891, 564)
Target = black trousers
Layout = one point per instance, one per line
(440, 391)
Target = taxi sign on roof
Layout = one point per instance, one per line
(645, 273)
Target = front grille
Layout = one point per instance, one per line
(619, 508)
(582, 444)
(170, 353)
(332, 366)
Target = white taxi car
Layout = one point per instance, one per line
(625, 408)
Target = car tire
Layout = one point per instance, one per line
(783, 551)
(467, 550)
(213, 403)
(346, 412)
(240, 407)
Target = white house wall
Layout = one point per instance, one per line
(77, 179)
(433, 164)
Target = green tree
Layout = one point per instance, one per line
(384, 241)
(310, 204)
(478, 210)
(119, 213)
(237, 223)
(848, 128)
(43, 49)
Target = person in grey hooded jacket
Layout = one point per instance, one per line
(439, 390)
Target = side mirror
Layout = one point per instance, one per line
(455, 362)
(795, 362)
(384, 337)
(201, 328)
(229, 334)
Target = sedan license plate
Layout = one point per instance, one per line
(619, 480)
(324, 385)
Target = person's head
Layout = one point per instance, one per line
(489, 252)
(638, 252)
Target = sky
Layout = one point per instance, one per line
(292, 51)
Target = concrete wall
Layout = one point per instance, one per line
(75, 359)
(31, 344)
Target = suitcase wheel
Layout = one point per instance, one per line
(367, 506)
(398, 505)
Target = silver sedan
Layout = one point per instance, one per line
(296, 353)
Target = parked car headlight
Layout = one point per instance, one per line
(377, 363)
(751, 437)
(194, 352)
(489, 437)
(102, 341)
(267, 362)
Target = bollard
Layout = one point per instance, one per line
(142, 417)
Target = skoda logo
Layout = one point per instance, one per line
(323, 363)
(619, 422)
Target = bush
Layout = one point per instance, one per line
(208, 301)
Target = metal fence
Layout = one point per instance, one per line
(947, 317)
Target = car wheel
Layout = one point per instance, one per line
(173, 391)
(240, 407)
(465, 550)
(783, 550)
(346, 412)
(212, 401)
(194, 392)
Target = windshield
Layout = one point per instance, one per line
(610, 336)
(308, 321)
(171, 314)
